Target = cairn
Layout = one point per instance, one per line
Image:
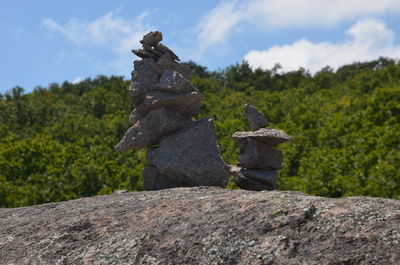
(259, 161)
(181, 151)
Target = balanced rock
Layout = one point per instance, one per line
(265, 178)
(172, 81)
(166, 62)
(151, 39)
(187, 104)
(148, 130)
(272, 137)
(254, 154)
(144, 79)
(255, 117)
(191, 156)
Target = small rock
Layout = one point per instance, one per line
(191, 156)
(254, 154)
(166, 62)
(255, 117)
(266, 177)
(172, 81)
(272, 137)
(165, 50)
(156, 124)
(187, 104)
(151, 39)
(249, 184)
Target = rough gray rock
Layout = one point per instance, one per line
(154, 180)
(165, 50)
(262, 176)
(144, 79)
(204, 225)
(272, 137)
(191, 156)
(187, 104)
(147, 131)
(254, 154)
(255, 117)
(166, 62)
(151, 39)
(172, 81)
(248, 184)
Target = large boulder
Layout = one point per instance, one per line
(191, 156)
(148, 130)
(254, 154)
(187, 104)
(204, 225)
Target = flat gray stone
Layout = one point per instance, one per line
(165, 50)
(187, 104)
(249, 184)
(191, 156)
(166, 62)
(143, 53)
(254, 154)
(172, 81)
(266, 177)
(148, 130)
(272, 137)
(144, 79)
(255, 117)
(154, 180)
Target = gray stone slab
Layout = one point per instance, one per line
(266, 177)
(172, 81)
(148, 130)
(191, 156)
(272, 137)
(144, 79)
(187, 104)
(255, 154)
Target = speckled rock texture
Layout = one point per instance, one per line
(203, 225)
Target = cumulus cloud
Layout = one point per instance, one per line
(109, 31)
(369, 39)
(218, 24)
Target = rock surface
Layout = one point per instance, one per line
(272, 137)
(187, 104)
(254, 154)
(203, 225)
(255, 117)
(191, 157)
(147, 131)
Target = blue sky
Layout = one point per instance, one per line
(45, 41)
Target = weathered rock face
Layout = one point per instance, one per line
(203, 226)
(258, 155)
(191, 157)
(149, 130)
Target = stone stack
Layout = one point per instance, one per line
(182, 152)
(259, 161)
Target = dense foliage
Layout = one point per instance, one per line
(56, 143)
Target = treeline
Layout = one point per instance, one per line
(56, 143)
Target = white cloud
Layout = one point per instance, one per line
(217, 25)
(109, 32)
(369, 39)
(77, 80)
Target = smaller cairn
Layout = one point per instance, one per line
(259, 161)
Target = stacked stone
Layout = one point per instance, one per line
(259, 161)
(186, 153)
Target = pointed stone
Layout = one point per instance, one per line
(255, 117)
(172, 81)
(271, 137)
(187, 104)
(166, 62)
(254, 154)
(147, 131)
(191, 156)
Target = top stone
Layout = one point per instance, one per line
(151, 39)
(271, 137)
(255, 117)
